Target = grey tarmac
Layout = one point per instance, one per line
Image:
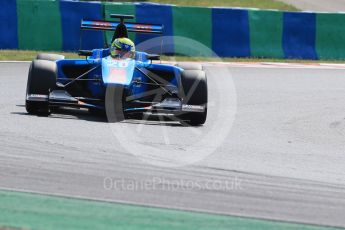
(281, 158)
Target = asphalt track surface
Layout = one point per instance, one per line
(281, 159)
(318, 5)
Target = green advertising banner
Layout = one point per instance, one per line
(272, 34)
(330, 36)
(194, 23)
(39, 25)
(266, 30)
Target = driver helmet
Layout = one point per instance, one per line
(122, 48)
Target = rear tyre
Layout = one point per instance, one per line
(189, 66)
(50, 57)
(41, 79)
(194, 92)
(114, 103)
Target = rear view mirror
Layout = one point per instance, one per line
(154, 57)
(85, 53)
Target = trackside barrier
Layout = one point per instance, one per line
(266, 33)
(71, 14)
(229, 32)
(39, 25)
(8, 25)
(194, 23)
(330, 36)
(299, 33)
(149, 13)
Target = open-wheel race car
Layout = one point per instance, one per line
(120, 87)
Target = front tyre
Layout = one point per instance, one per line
(194, 93)
(41, 79)
(50, 57)
(114, 103)
(189, 66)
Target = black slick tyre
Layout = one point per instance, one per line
(41, 80)
(194, 93)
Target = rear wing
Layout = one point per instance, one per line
(131, 27)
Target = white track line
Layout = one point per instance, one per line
(273, 65)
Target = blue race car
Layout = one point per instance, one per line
(120, 87)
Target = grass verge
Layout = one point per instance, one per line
(33, 211)
(261, 4)
(28, 55)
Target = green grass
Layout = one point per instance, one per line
(261, 4)
(8, 228)
(28, 55)
(33, 211)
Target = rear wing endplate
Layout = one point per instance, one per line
(131, 27)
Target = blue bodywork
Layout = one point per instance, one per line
(101, 70)
(124, 85)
